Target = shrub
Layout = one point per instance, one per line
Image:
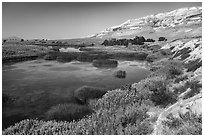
(170, 70)
(172, 122)
(161, 94)
(134, 114)
(173, 71)
(150, 40)
(138, 40)
(67, 112)
(186, 124)
(86, 93)
(162, 39)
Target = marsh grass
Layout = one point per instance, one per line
(13, 50)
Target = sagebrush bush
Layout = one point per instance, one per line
(186, 124)
(170, 70)
(161, 94)
(67, 112)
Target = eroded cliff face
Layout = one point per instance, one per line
(179, 23)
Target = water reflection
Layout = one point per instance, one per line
(39, 84)
(69, 49)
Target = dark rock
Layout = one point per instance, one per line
(120, 74)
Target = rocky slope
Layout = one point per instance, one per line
(184, 20)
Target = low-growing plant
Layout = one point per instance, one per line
(170, 70)
(150, 40)
(161, 94)
(186, 124)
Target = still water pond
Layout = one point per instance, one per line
(37, 85)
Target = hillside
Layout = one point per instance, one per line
(167, 102)
(169, 24)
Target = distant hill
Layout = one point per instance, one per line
(169, 24)
(12, 39)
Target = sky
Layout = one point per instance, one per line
(66, 20)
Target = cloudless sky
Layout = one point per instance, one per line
(74, 20)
